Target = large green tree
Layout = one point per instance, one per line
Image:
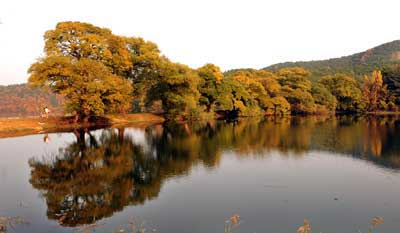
(391, 78)
(82, 40)
(147, 70)
(88, 87)
(209, 87)
(346, 90)
(177, 88)
(85, 64)
(296, 88)
(324, 99)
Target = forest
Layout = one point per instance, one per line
(356, 65)
(20, 100)
(98, 72)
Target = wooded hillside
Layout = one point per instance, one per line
(20, 100)
(356, 65)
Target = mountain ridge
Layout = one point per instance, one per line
(357, 64)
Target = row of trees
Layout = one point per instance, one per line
(98, 72)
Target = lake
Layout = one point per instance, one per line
(250, 175)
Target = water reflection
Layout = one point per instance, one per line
(89, 179)
(98, 175)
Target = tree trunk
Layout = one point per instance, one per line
(121, 132)
(80, 138)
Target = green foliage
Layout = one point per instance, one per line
(296, 88)
(147, 68)
(346, 90)
(356, 65)
(98, 72)
(249, 95)
(210, 86)
(250, 73)
(224, 101)
(323, 98)
(78, 40)
(271, 85)
(84, 63)
(88, 86)
(280, 106)
(295, 78)
(301, 101)
(177, 88)
(391, 78)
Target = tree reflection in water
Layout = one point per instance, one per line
(92, 178)
(96, 176)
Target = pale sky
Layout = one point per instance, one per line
(228, 33)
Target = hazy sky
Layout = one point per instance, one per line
(228, 33)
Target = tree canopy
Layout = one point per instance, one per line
(98, 72)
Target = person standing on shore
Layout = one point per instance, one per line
(46, 111)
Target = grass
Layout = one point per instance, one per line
(134, 118)
(22, 126)
(13, 127)
(10, 222)
(231, 224)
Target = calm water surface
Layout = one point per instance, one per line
(336, 172)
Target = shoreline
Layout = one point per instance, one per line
(23, 126)
(16, 127)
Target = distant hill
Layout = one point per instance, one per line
(356, 65)
(20, 100)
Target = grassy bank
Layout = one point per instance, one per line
(13, 127)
